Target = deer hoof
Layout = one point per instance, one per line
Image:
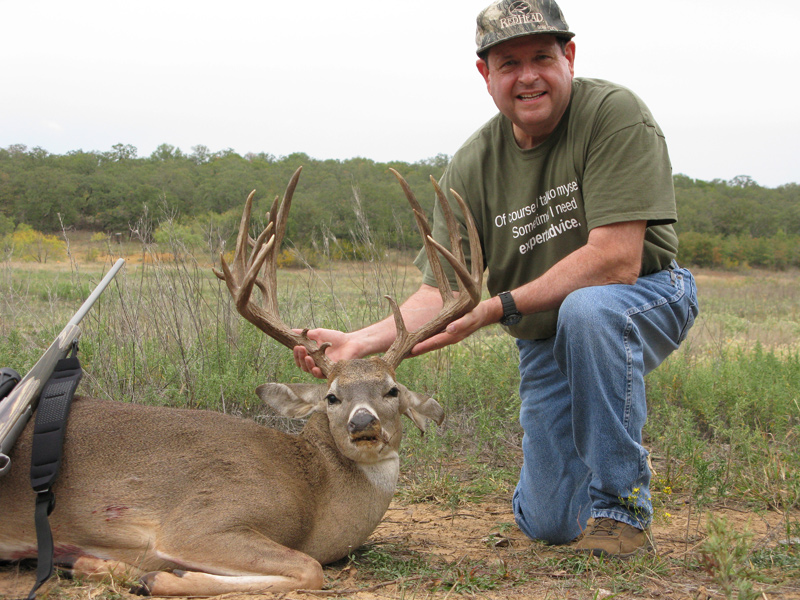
(145, 585)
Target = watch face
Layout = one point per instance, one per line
(511, 319)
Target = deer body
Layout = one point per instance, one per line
(198, 503)
(154, 488)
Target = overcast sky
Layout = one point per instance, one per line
(384, 80)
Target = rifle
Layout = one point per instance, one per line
(17, 408)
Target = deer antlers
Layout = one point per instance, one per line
(243, 275)
(469, 284)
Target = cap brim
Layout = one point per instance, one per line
(559, 34)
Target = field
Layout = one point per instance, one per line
(723, 425)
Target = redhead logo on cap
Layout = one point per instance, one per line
(521, 13)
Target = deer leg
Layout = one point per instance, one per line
(221, 566)
(98, 569)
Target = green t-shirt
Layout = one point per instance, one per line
(605, 163)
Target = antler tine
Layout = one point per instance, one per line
(241, 279)
(267, 299)
(278, 215)
(240, 253)
(243, 240)
(469, 284)
(427, 239)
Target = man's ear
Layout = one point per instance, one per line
(483, 68)
(569, 52)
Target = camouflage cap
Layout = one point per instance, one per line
(507, 19)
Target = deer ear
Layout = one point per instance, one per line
(296, 400)
(419, 407)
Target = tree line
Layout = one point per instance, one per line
(722, 223)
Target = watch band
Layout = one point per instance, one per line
(511, 315)
(507, 300)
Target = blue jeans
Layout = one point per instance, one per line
(584, 407)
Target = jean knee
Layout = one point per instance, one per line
(578, 304)
(541, 524)
(586, 311)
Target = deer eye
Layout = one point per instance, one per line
(332, 399)
(393, 393)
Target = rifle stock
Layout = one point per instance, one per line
(16, 409)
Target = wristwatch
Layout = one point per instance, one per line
(511, 316)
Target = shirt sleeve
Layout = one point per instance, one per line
(628, 174)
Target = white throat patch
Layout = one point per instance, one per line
(383, 474)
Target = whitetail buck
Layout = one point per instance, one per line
(199, 503)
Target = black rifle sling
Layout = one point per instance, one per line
(48, 441)
(9, 378)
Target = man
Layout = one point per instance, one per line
(571, 189)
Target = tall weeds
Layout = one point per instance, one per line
(724, 418)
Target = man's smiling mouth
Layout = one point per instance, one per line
(531, 96)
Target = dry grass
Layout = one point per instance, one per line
(742, 309)
(165, 333)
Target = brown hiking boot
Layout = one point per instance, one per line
(608, 537)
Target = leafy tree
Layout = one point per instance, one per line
(200, 154)
(28, 244)
(6, 225)
(166, 152)
(120, 152)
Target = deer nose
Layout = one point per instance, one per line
(361, 421)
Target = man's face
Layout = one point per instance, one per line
(530, 80)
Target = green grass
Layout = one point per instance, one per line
(727, 426)
(723, 425)
(724, 417)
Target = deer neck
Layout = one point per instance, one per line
(382, 474)
(357, 494)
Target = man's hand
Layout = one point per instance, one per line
(342, 347)
(487, 312)
(418, 309)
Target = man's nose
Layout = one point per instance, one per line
(529, 74)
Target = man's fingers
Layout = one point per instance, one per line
(305, 362)
(311, 367)
(434, 343)
(298, 352)
(455, 332)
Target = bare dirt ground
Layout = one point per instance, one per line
(475, 551)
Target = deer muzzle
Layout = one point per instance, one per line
(364, 426)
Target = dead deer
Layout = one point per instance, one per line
(199, 503)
